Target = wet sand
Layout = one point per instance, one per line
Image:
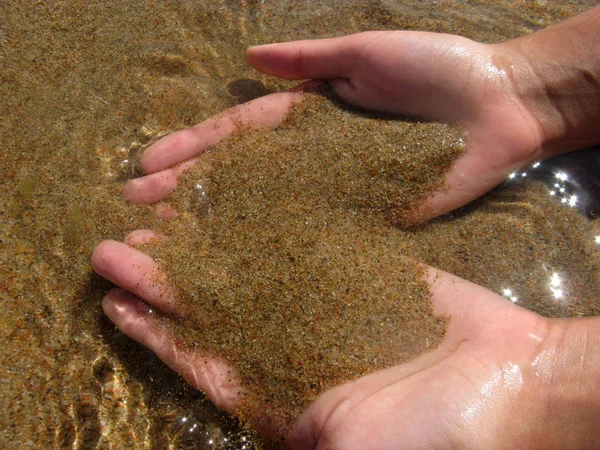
(285, 254)
(82, 87)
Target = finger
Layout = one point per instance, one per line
(136, 319)
(166, 211)
(142, 237)
(187, 143)
(135, 272)
(314, 59)
(469, 178)
(157, 186)
(470, 308)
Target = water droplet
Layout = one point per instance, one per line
(201, 201)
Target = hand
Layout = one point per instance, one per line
(514, 98)
(489, 384)
(431, 76)
(427, 75)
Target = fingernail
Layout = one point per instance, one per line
(262, 46)
(131, 188)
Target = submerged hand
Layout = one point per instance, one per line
(519, 100)
(495, 381)
(427, 75)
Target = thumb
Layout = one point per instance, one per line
(315, 59)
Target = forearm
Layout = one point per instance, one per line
(569, 368)
(556, 73)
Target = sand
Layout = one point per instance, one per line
(81, 85)
(290, 265)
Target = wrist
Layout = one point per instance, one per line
(568, 374)
(555, 74)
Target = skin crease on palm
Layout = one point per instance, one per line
(503, 376)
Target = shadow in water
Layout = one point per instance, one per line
(245, 90)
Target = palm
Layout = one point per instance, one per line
(462, 387)
(502, 134)
(448, 398)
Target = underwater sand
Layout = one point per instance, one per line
(82, 86)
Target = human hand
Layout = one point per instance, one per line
(427, 75)
(495, 381)
(519, 101)
(430, 76)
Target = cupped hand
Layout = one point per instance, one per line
(482, 387)
(426, 75)
(433, 77)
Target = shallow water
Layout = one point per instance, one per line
(84, 86)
